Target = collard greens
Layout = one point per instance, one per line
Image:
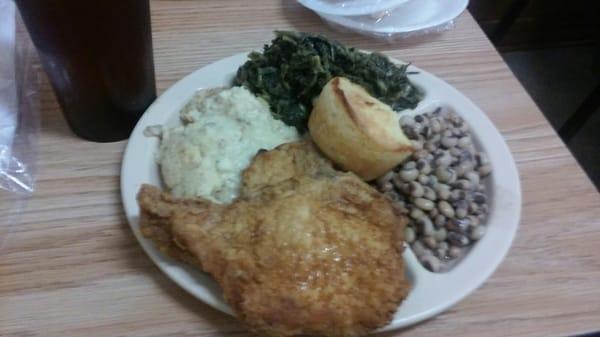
(291, 72)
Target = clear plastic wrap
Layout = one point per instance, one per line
(19, 118)
(18, 106)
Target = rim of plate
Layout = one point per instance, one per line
(431, 293)
(351, 22)
(348, 8)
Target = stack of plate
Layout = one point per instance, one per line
(388, 17)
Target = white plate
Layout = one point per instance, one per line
(431, 293)
(412, 16)
(350, 7)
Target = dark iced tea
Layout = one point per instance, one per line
(98, 55)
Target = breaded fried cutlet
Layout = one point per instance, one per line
(304, 250)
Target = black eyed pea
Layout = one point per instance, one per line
(400, 207)
(405, 189)
(436, 125)
(473, 178)
(423, 166)
(387, 187)
(435, 139)
(464, 142)
(454, 118)
(457, 194)
(484, 208)
(433, 213)
(417, 214)
(425, 226)
(409, 174)
(458, 239)
(417, 145)
(423, 179)
(385, 178)
(422, 154)
(477, 232)
(415, 189)
(453, 176)
(426, 132)
(471, 148)
(431, 262)
(410, 131)
(473, 221)
(446, 209)
(429, 193)
(445, 174)
(433, 181)
(418, 248)
(430, 146)
(461, 213)
(438, 153)
(398, 181)
(466, 155)
(443, 245)
(409, 165)
(440, 234)
(479, 198)
(409, 234)
(443, 191)
(430, 242)
(485, 170)
(424, 204)
(462, 184)
(392, 196)
(481, 159)
(473, 207)
(418, 127)
(407, 120)
(441, 253)
(440, 220)
(454, 252)
(443, 160)
(455, 152)
(461, 203)
(457, 225)
(463, 168)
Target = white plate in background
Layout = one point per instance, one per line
(431, 293)
(351, 7)
(412, 16)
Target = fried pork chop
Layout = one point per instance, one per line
(305, 249)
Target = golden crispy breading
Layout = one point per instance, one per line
(304, 250)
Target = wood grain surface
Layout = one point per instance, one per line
(71, 267)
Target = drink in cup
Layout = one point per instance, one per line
(98, 56)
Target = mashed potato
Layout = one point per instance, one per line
(223, 130)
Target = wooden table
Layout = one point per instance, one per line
(71, 267)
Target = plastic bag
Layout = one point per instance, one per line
(18, 106)
(19, 118)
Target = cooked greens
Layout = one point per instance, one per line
(291, 72)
